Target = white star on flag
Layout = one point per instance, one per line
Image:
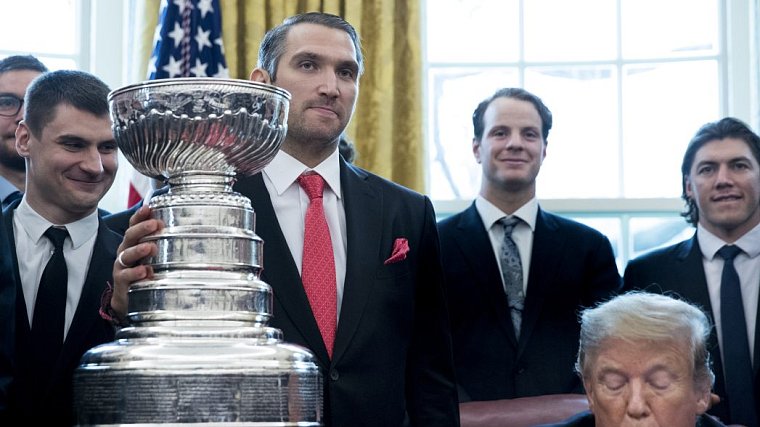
(199, 69)
(202, 39)
(173, 68)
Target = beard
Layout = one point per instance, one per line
(10, 159)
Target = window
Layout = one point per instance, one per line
(85, 35)
(628, 88)
(53, 36)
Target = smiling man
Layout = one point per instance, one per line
(719, 267)
(517, 275)
(62, 253)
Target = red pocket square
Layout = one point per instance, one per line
(400, 249)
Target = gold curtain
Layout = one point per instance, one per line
(387, 127)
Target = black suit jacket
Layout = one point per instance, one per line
(678, 269)
(7, 316)
(572, 266)
(52, 402)
(392, 352)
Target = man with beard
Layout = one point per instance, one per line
(16, 72)
(379, 329)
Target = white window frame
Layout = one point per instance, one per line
(739, 94)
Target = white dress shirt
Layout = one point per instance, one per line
(747, 265)
(34, 250)
(522, 233)
(290, 203)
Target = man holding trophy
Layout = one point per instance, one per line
(352, 259)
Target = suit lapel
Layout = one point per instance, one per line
(363, 205)
(22, 319)
(548, 250)
(280, 271)
(98, 273)
(692, 286)
(473, 238)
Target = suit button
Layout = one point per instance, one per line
(520, 371)
(334, 375)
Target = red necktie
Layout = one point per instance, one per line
(318, 264)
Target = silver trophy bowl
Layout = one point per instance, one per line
(198, 349)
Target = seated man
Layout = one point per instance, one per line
(643, 360)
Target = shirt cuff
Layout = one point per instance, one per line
(106, 311)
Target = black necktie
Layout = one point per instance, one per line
(737, 365)
(50, 305)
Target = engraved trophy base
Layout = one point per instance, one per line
(186, 375)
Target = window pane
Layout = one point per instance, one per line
(677, 28)
(663, 106)
(59, 63)
(583, 143)
(467, 31)
(652, 233)
(40, 26)
(455, 92)
(557, 30)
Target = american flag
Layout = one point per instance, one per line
(187, 43)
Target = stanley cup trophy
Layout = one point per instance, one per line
(199, 350)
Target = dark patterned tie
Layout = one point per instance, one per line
(50, 305)
(512, 273)
(737, 365)
(318, 264)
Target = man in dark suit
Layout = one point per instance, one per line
(721, 187)
(644, 360)
(71, 160)
(384, 350)
(519, 340)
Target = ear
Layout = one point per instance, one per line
(476, 149)
(704, 401)
(687, 187)
(589, 395)
(23, 134)
(260, 75)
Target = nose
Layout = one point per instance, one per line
(92, 162)
(513, 142)
(329, 84)
(637, 406)
(723, 176)
(19, 115)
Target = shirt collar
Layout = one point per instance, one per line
(491, 214)
(6, 188)
(710, 244)
(80, 231)
(285, 169)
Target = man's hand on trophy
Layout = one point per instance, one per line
(127, 268)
